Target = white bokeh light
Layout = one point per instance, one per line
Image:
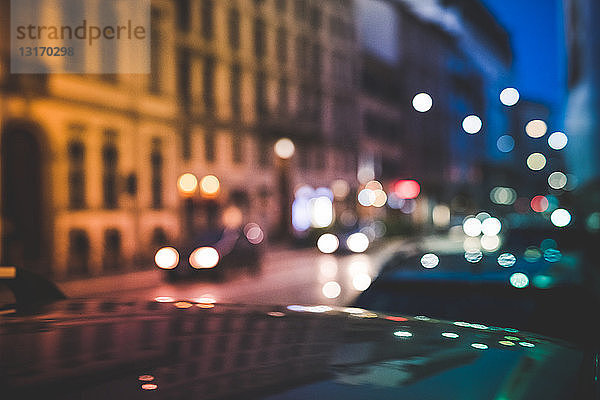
(472, 227)
(557, 180)
(509, 96)
(491, 226)
(430, 260)
(328, 243)
(472, 124)
(557, 140)
(519, 280)
(536, 161)
(331, 290)
(357, 242)
(284, 148)
(560, 217)
(422, 102)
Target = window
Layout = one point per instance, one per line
(183, 15)
(183, 75)
(207, 11)
(209, 146)
(261, 94)
(283, 96)
(156, 167)
(234, 29)
(236, 78)
(301, 52)
(281, 5)
(159, 237)
(112, 249)
(282, 47)
(208, 79)
(109, 178)
(76, 152)
(79, 252)
(259, 38)
(300, 9)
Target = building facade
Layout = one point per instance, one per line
(90, 163)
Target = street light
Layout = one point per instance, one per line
(284, 149)
(187, 184)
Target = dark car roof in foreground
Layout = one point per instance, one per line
(186, 349)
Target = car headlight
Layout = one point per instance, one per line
(166, 258)
(204, 257)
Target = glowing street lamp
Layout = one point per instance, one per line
(284, 149)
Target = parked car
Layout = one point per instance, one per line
(181, 349)
(549, 290)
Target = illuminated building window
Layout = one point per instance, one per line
(76, 175)
(156, 168)
(183, 15)
(109, 179)
(282, 47)
(155, 51)
(207, 11)
(79, 252)
(208, 83)
(234, 29)
(236, 78)
(237, 148)
(112, 249)
(281, 5)
(209, 146)
(259, 38)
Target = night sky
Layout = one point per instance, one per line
(536, 29)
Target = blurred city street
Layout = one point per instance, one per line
(303, 276)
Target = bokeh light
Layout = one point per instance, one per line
(539, 204)
(506, 260)
(284, 148)
(532, 254)
(490, 243)
(503, 195)
(560, 217)
(328, 243)
(254, 233)
(592, 222)
(519, 280)
(166, 258)
(558, 140)
(509, 96)
(422, 102)
(366, 197)
(340, 189)
(331, 290)
(557, 180)
(430, 260)
(204, 257)
(552, 255)
(210, 185)
(536, 128)
(441, 216)
(472, 226)
(473, 256)
(357, 242)
(472, 124)
(321, 212)
(505, 143)
(361, 281)
(536, 161)
(407, 189)
(491, 226)
(479, 346)
(187, 184)
(380, 198)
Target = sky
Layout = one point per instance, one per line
(537, 37)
